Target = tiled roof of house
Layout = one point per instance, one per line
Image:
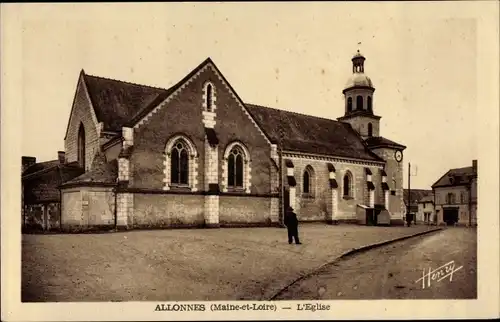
(429, 198)
(456, 177)
(416, 195)
(42, 185)
(310, 134)
(379, 141)
(40, 166)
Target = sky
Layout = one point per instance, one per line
(291, 56)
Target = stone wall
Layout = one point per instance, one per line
(243, 210)
(82, 113)
(87, 207)
(167, 210)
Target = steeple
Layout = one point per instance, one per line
(358, 94)
(358, 62)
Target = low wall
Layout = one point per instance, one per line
(168, 210)
(243, 210)
(87, 208)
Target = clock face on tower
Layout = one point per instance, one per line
(398, 155)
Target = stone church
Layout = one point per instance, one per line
(196, 154)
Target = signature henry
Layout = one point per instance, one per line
(438, 274)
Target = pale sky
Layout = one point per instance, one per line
(292, 56)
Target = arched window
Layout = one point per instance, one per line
(370, 129)
(369, 103)
(209, 97)
(347, 184)
(359, 102)
(349, 104)
(308, 181)
(235, 168)
(81, 146)
(179, 164)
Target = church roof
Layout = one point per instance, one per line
(311, 134)
(117, 103)
(379, 141)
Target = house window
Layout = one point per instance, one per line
(235, 168)
(450, 198)
(179, 169)
(462, 198)
(370, 129)
(81, 146)
(308, 181)
(180, 163)
(349, 104)
(347, 185)
(359, 102)
(369, 103)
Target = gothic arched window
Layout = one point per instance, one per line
(359, 102)
(370, 129)
(179, 164)
(347, 184)
(308, 181)
(81, 146)
(235, 168)
(369, 103)
(209, 97)
(349, 104)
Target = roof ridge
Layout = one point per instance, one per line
(127, 82)
(292, 112)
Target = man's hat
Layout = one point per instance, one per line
(289, 208)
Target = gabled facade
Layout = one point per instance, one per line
(455, 197)
(197, 155)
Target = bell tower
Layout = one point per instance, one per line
(358, 97)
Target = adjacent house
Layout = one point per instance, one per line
(196, 154)
(425, 213)
(414, 196)
(456, 196)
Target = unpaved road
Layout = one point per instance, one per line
(393, 271)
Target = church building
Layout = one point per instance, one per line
(196, 154)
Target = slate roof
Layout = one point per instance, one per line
(118, 104)
(311, 134)
(427, 199)
(40, 166)
(42, 185)
(379, 141)
(456, 177)
(416, 195)
(101, 172)
(115, 102)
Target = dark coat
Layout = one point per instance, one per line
(291, 219)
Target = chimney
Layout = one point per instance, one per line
(61, 155)
(474, 165)
(27, 162)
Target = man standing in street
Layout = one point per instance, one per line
(292, 223)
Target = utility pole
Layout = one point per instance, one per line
(409, 195)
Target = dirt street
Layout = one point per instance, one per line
(395, 271)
